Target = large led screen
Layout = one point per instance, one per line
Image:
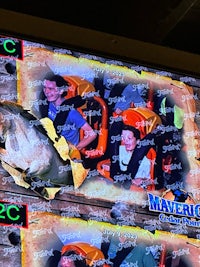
(100, 160)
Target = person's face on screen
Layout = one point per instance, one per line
(129, 140)
(52, 92)
(66, 261)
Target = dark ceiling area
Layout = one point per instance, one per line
(169, 23)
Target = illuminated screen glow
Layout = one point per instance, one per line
(143, 127)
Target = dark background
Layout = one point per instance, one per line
(169, 23)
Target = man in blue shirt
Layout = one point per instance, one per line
(66, 119)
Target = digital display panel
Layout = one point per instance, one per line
(103, 153)
(13, 214)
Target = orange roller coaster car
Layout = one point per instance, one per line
(80, 86)
(91, 253)
(145, 120)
